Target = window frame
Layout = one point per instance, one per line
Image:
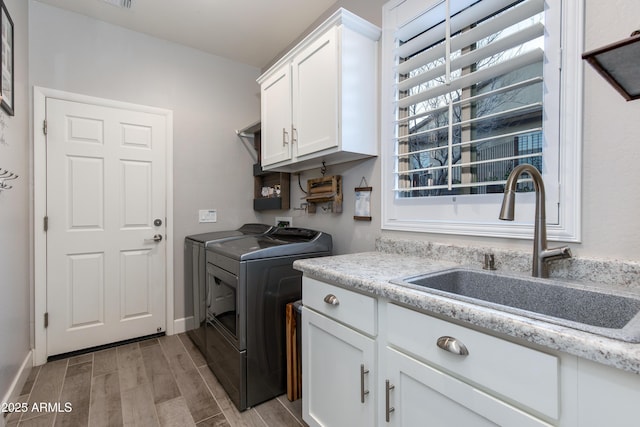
(400, 213)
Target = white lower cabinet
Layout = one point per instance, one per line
(607, 396)
(417, 394)
(370, 362)
(337, 377)
(338, 358)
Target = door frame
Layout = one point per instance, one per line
(40, 94)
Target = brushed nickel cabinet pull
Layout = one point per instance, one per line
(363, 392)
(331, 299)
(294, 135)
(452, 345)
(285, 136)
(388, 409)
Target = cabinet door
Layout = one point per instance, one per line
(333, 357)
(315, 95)
(276, 116)
(422, 395)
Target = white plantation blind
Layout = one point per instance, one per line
(469, 96)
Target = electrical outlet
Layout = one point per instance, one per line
(208, 215)
(284, 221)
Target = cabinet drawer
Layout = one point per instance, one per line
(515, 372)
(348, 307)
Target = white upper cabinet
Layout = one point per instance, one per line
(319, 101)
(276, 118)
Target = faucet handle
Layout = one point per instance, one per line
(556, 253)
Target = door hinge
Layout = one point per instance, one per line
(44, 126)
(46, 320)
(46, 223)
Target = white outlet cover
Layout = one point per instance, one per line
(208, 215)
(284, 221)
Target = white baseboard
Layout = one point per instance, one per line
(18, 382)
(182, 325)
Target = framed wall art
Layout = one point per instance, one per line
(6, 60)
(363, 202)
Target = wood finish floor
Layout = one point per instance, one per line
(159, 382)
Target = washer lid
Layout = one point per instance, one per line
(245, 230)
(281, 242)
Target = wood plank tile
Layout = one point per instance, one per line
(81, 359)
(174, 413)
(248, 418)
(122, 394)
(31, 379)
(12, 418)
(274, 414)
(75, 391)
(105, 361)
(198, 397)
(138, 408)
(106, 405)
(217, 421)
(147, 343)
(163, 384)
(47, 386)
(131, 370)
(196, 355)
(178, 358)
(43, 420)
(295, 408)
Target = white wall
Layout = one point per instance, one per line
(210, 98)
(15, 234)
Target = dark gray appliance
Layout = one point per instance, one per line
(195, 273)
(250, 281)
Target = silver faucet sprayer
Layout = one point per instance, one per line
(541, 254)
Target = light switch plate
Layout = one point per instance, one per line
(208, 215)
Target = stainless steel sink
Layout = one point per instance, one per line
(613, 314)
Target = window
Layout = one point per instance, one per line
(475, 87)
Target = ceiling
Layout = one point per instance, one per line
(252, 32)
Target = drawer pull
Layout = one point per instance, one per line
(388, 408)
(363, 392)
(452, 345)
(331, 299)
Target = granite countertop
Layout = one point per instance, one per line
(371, 272)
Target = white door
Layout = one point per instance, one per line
(106, 196)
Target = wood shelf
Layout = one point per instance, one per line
(323, 190)
(271, 180)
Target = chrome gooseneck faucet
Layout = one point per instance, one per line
(541, 254)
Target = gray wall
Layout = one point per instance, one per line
(611, 131)
(348, 235)
(611, 201)
(15, 228)
(210, 97)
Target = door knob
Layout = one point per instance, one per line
(156, 238)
